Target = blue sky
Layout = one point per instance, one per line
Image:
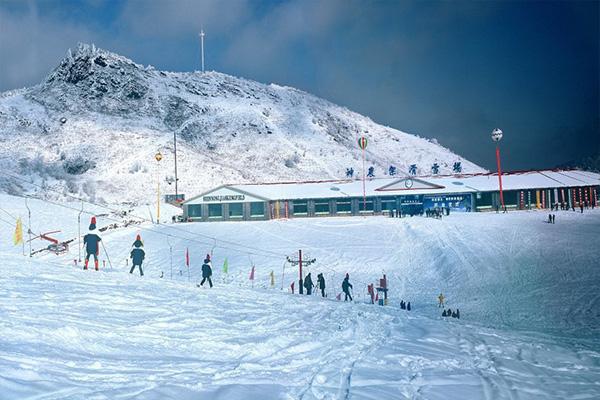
(449, 70)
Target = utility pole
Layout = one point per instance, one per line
(299, 261)
(175, 150)
(202, 47)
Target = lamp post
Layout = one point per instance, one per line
(362, 143)
(496, 137)
(175, 151)
(158, 157)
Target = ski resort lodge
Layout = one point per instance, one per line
(408, 195)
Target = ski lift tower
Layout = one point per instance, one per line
(299, 261)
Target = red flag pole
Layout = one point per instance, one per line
(499, 175)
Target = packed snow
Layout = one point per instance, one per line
(528, 292)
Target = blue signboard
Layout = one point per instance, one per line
(456, 202)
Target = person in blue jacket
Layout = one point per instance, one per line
(92, 244)
(137, 255)
(206, 271)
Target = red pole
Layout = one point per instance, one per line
(499, 175)
(364, 191)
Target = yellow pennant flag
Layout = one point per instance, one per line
(18, 236)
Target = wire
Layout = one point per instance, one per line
(147, 220)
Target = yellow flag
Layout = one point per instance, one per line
(18, 236)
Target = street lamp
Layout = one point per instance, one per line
(158, 157)
(496, 137)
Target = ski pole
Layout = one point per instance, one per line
(107, 257)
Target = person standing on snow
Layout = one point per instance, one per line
(137, 255)
(441, 300)
(308, 284)
(92, 244)
(346, 286)
(206, 271)
(321, 284)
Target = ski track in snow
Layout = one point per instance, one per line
(528, 294)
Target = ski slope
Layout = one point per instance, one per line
(527, 291)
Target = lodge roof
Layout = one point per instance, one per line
(414, 185)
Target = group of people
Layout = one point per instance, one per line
(565, 207)
(450, 313)
(309, 285)
(551, 218)
(404, 306)
(437, 212)
(92, 243)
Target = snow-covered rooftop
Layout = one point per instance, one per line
(436, 184)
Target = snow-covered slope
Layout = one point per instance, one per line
(93, 125)
(527, 291)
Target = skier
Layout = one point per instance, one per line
(441, 299)
(553, 218)
(137, 255)
(408, 306)
(346, 286)
(444, 313)
(402, 305)
(453, 314)
(321, 284)
(92, 244)
(549, 218)
(457, 313)
(308, 284)
(206, 271)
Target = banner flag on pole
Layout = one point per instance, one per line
(252, 274)
(338, 297)
(272, 278)
(225, 266)
(18, 235)
(187, 257)
(292, 287)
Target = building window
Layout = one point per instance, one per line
(300, 207)
(343, 206)
(257, 209)
(215, 211)
(365, 206)
(195, 211)
(321, 206)
(388, 204)
(236, 210)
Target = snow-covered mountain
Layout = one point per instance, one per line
(93, 126)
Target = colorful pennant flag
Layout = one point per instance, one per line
(252, 274)
(187, 257)
(292, 287)
(18, 235)
(225, 266)
(272, 278)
